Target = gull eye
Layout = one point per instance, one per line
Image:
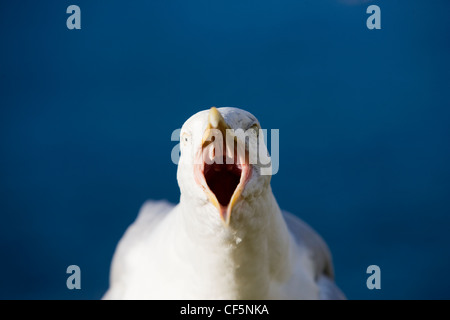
(185, 138)
(256, 128)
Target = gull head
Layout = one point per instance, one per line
(219, 167)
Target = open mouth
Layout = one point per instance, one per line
(222, 180)
(221, 167)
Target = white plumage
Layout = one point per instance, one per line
(208, 248)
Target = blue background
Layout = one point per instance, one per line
(86, 118)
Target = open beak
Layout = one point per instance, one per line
(222, 167)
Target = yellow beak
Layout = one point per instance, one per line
(217, 122)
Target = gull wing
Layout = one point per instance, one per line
(320, 254)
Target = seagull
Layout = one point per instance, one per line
(227, 238)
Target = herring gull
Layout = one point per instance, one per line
(227, 237)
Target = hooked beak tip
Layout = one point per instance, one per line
(214, 117)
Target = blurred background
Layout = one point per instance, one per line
(86, 118)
